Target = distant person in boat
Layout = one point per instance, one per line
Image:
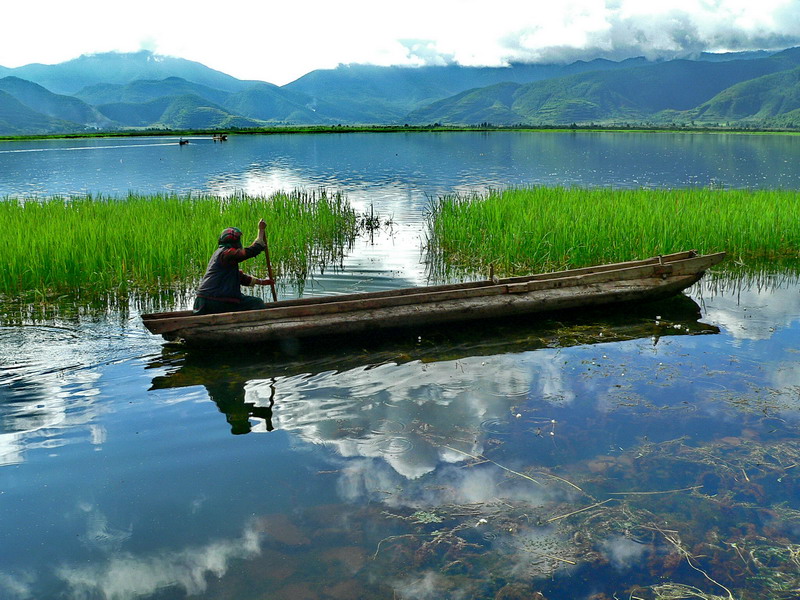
(219, 289)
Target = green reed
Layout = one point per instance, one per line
(90, 246)
(543, 229)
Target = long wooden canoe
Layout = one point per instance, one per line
(639, 280)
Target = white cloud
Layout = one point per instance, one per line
(383, 403)
(751, 311)
(16, 586)
(99, 532)
(279, 42)
(369, 480)
(125, 576)
(426, 586)
(622, 552)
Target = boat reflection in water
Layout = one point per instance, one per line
(246, 390)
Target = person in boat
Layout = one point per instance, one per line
(220, 289)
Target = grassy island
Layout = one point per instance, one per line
(90, 246)
(87, 246)
(541, 229)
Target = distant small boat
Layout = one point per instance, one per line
(222, 137)
(183, 142)
(634, 281)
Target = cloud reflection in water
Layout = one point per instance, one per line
(401, 413)
(125, 575)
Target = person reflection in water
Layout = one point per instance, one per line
(219, 289)
(230, 400)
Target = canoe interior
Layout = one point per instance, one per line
(667, 258)
(677, 264)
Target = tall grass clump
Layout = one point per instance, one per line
(89, 246)
(543, 229)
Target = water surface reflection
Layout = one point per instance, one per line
(412, 394)
(642, 454)
(388, 169)
(580, 457)
(583, 454)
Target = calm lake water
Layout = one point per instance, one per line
(650, 452)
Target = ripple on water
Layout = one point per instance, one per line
(388, 426)
(497, 426)
(40, 350)
(513, 393)
(395, 446)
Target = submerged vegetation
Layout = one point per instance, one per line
(642, 486)
(104, 246)
(725, 534)
(542, 229)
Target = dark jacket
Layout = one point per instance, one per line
(223, 277)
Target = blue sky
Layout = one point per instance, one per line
(280, 41)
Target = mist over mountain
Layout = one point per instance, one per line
(660, 93)
(187, 111)
(120, 68)
(18, 119)
(145, 90)
(58, 106)
(772, 98)
(271, 103)
(395, 91)
(117, 91)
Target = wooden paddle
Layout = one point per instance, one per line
(269, 271)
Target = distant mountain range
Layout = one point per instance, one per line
(661, 93)
(115, 91)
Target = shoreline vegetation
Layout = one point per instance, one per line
(90, 247)
(430, 128)
(144, 245)
(526, 230)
